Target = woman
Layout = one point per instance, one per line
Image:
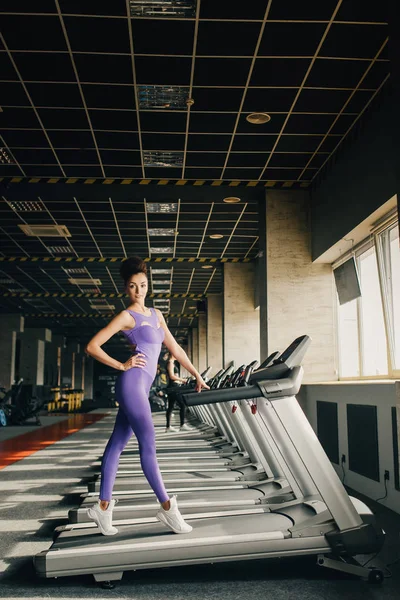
(174, 382)
(148, 330)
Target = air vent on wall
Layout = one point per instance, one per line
(27, 206)
(155, 158)
(85, 281)
(158, 97)
(45, 230)
(163, 8)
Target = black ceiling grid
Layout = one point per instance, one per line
(98, 91)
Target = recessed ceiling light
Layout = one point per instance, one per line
(231, 200)
(207, 267)
(161, 207)
(216, 236)
(258, 118)
(162, 291)
(192, 307)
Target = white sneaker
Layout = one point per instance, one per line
(170, 430)
(173, 519)
(186, 427)
(103, 518)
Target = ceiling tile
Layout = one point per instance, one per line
(279, 72)
(163, 36)
(98, 35)
(233, 39)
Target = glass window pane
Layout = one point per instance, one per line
(395, 290)
(348, 340)
(373, 334)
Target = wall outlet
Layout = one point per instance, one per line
(387, 476)
(343, 458)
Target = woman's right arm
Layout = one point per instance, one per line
(121, 321)
(171, 373)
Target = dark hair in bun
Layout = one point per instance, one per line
(132, 266)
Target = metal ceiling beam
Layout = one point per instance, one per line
(117, 259)
(157, 182)
(91, 295)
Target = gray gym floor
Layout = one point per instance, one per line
(38, 491)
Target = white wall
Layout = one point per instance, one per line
(384, 397)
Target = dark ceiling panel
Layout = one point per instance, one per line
(221, 71)
(218, 123)
(208, 142)
(279, 72)
(94, 7)
(55, 94)
(234, 39)
(97, 35)
(109, 96)
(214, 99)
(291, 39)
(249, 159)
(162, 37)
(359, 10)
(317, 101)
(33, 32)
(161, 121)
(25, 6)
(13, 94)
(104, 68)
(298, 143)
(233, 9)
(354, 41)
(117, 139)
(160, 70)
(309, 123)
(153, 141)
(205, 159)
(6, 68)
(308, 10)
(25, 139)
(71, 139)
(19, 118)
(253, 142)
(114, 120)
(336, 74)
(46, 66)
(269, 99)
(56, 118)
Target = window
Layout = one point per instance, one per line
(369, 327)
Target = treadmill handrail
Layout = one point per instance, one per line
(278, 388)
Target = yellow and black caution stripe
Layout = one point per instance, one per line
(91, 295)
(117, 259)
(158, 182)
(96, 315)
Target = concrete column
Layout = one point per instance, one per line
(78, 367)
(189, 349)
(52, 353)
(214, 331)
(88, 379)
(195, 347)
(68, 363)
(10, 326)
(32, 355)
(394, 83)
(241, 327)
(300, 293)
(202, 324)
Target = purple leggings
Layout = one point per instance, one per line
(134, 416)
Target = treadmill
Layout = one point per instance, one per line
(273, 487)
(324, 521)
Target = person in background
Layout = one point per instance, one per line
(173, 398)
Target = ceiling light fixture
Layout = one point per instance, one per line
(162, 207)
(161, 271)
(163, 250)
(231, 200)
(216, 236)
(162, 231)
(207, 267)
(258, 118)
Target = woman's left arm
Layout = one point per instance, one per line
(179, 353)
